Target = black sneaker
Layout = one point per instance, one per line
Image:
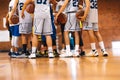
(82, 53)
(55, 53)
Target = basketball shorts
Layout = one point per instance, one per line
(15, 30)
(25, 28)
(72, 24)
(90, 26)
(42, 26)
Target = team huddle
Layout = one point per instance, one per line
(45, 19)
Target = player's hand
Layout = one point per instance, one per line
(82, 18)
(23, 15)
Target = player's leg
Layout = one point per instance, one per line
(89, 27)
(16, 39)
(100, 40)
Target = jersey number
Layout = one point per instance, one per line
(41, 1)
(93, 4)
(21, 5)
(75, 3)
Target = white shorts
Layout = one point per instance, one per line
(42, 26)
(25, 28)
(72, 24)
(90, 26)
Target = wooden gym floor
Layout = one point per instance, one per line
(82, 68)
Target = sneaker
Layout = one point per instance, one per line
(62, 51)
(12, 55)
(21, 56)
(76, 54)
(92, 54)
(105, 54)
(55, 53)
(32, 56)
(82, 53)
(51, 55)
(67, 54)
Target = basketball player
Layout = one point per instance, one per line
(14, 29)
(25, 27)
(71, 25)
(58, 6)
(91, 25)
(42, 25)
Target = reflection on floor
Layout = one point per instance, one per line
(82, 68)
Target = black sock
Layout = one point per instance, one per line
(24, 48)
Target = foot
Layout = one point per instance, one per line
(32, 56)
(67, 54)
(92, 54)
(105, 54)
(82, 53)
(76, 54)
(51, 55)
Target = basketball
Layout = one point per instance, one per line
(14, 19)
(30, 8)
(79, 13)
(62, 18)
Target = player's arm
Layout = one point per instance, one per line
(61, 9)
(13, 9)
(87, 3)
(7, 22)
(24, 7)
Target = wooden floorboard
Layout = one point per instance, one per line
(82, 68)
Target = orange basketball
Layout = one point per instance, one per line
(14, 19)
(30, 8)
(62, 18)
(80, 13)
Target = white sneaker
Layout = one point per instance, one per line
(32, 56)
(51, 55)
(67, 54)
(62, 51)
(76, 54)
(92, 54)
(105, 54)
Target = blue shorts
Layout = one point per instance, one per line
(15, 30)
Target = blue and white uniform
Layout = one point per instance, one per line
(26, 22)
(91, 22)
(42, 18)
(72, 24)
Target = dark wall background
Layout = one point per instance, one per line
(109, 22)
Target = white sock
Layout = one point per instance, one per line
(68, 48)
(76, 47)
(16, 39)
(11, 50)
(34, 49)
(93, 46)
(50, 49)
(101, 44)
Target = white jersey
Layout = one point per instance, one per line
(72, 6)
(28, 18)
(93, 13)
(42, 9)
(59, 4)
(11, 4)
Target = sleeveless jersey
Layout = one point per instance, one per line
(93, 13)
(42, 9)
(11, 4)
(28, 18)
(72, 6)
